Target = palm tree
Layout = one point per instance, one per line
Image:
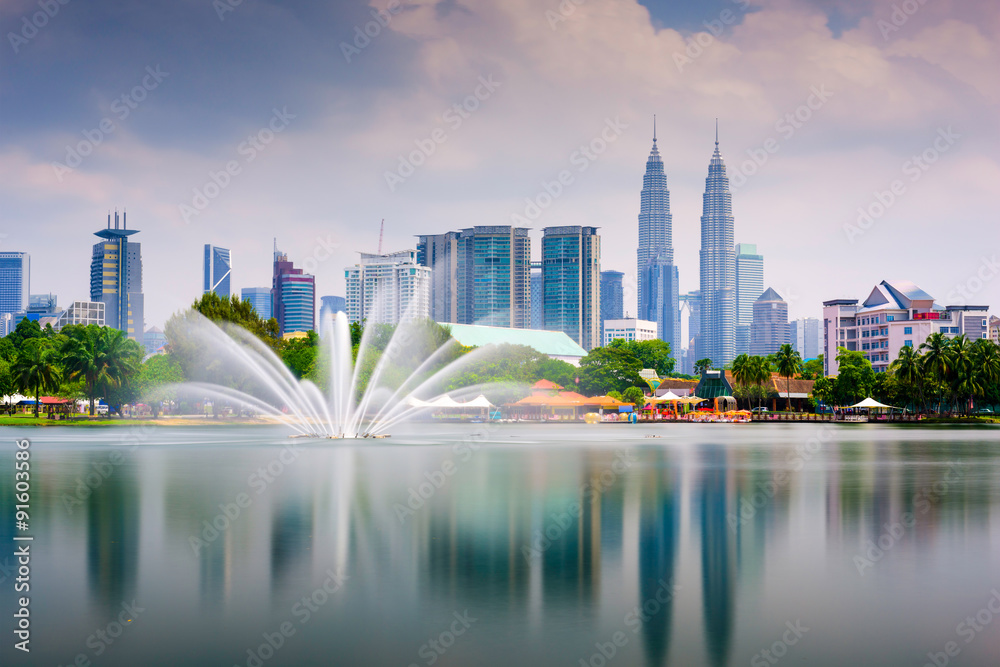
(985, 364)
(759, 374)
(787, 360)
(35, 369)
(102, 357)
(702, 365)
(936, 358)
(908, 367)
(741, 372)
(960, 350)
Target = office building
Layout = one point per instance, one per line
(807, 338)
(439, 252)
(693, 302)
(116, 278)
(43, 303)
(332, 305)
(749, 286)
(493, 272)
(895, 314)
(769, 329)
(260, 299)
(15, 276)
(995, 329)
(612, 296)
(661, 301)
(718, 266)
(388, 288)
(536, 295)
(218, 267)
(293, 296)
(628, 329)
(85, 313)
(154, 339)
(571, 283)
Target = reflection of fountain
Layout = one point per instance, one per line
(411, 364)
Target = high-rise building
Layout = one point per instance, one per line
(388, 288)
(718, 266)
(571, 283)
(260, 299)
(807, 337)
(154, 339)
(769, 330)
(749, 286)
(439, 252)
(116, 278)
(493, 268)
(15, 275)
(655, 269)
(218, 267)
(43, 304)
(628, 329)
(661, 300)
(332, 305)
(693, 301)
(612, 297)
(293, 296)
(536, 295)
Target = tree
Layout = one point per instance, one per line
(7, 385)
(299, 354)
(986, 365)
(156, 372)
(25, 330)
(653, 354)
(855, 379)
(240, 312)
(702, 365)
(961, 376)
(787, 360)
(634, 395)
(812, 369)
(936, 359)
(554, 370)
(607, 368)
(909, 371)
(35, 370)
(102, 357)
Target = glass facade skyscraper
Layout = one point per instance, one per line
(494, 276)
(388, 288)
(439, 252)
(749, 286)
(571, 283)
(718, 266)
(116, 278)
(655, 256)
(293, 296)
(218, 267)
(612, 297)
(260, 299)
(15, 274)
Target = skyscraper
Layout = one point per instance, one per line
(612, 297)
(388, 288)
(494, 284)
(293, 296)
(806, 337)
(116, 278)
(749, 286)
(439, 252)
(536, 295)
(15, 274)
(218, 266)
(655, 270)
(718, 266)
(571, 283)
(769, 330)
(260, 299)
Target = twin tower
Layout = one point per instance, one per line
(659, 299)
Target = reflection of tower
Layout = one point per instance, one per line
(112, 538)
(291, 536)
(658, 523)
(718, 559)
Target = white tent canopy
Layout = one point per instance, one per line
(446, 401)
(872, 403)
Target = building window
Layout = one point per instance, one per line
(907, 343)
(890, 318)
(907, 331)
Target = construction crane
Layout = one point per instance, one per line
(381, 233)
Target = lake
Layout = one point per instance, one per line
(509, 544)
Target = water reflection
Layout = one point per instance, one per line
(551, 544)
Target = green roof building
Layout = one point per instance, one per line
(555, 344)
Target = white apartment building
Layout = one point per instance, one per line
(629, 329)
(895, 314)
(388, 288)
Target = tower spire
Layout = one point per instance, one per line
(654, 128)
(716, 132)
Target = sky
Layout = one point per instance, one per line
(861, 136)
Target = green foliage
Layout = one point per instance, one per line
(36, 368)
(617, 395)
(608, 368)
(855, 380)
(653, 354)
(299, 354)
(104, 359)
(702, 365)
(25, 330)
(240, 312)
(787, 361)
(812, 369)
(634, 395)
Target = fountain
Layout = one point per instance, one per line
(393, 374)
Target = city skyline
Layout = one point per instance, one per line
(928, 83)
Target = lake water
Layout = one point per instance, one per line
(509, 544)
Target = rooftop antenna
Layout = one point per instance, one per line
(716, 131)
(654, 128)
(124, 213)
(381, 233)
